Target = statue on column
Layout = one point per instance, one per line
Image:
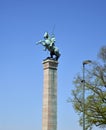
(49, 44)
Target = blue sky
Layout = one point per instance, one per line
(80, 31)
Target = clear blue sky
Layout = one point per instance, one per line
(80, 31)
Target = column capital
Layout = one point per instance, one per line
(50, 64)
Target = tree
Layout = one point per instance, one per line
(95, 93)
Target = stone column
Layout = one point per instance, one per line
(49, 117)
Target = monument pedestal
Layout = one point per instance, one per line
(49, 117)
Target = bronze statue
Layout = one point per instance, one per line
(49, 44)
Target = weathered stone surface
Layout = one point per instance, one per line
(49, 117)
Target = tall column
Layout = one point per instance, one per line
(49, 117)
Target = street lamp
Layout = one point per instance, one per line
(83, 81)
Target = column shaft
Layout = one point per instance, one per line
(49, 117)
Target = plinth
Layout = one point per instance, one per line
(49, 116)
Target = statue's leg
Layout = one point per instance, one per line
(57, 57)
(51, 55)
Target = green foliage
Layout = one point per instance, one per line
(95, 93)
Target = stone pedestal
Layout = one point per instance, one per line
(49, 117)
